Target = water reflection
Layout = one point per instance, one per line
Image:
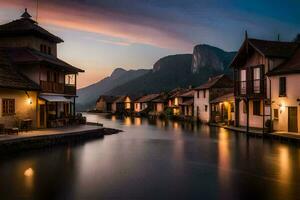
(156, 159)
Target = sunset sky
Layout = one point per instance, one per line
(101, 35)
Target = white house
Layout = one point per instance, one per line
(213, 88)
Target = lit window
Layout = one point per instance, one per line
(275, 113)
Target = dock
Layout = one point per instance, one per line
(52, 136)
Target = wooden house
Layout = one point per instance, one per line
(122, 104)
(174, 100)
(32, 51)
(160, 104)
(222, 109)
(187, 104)
(144, 103)
(253, 89)
(104, 103)
(213, 88)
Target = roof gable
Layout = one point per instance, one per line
(26, 26)
(220, 81)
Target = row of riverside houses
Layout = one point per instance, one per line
(264, 94)
(191, 103)
(36, 87)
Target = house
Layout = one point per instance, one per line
(18, 95)
(145, 104)
(253, 90)
(285, 94)
(187, 104)
(122, 104)
(31, 52)
(222, 109)
(213, 88)
(104, 103)
(174, 100)
(160, 104)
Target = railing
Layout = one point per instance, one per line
(250, 88)
(52, 87)
(70, 89)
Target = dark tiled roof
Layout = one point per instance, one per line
(11, 78)
(108, 99)
(226, 97)
(189, 93)
(291, 66)
(218, 82)
(25, 55)
(178, 92)
(266, 48)
(27, 26)
(188, 102)
(274, 48)
(147, 98)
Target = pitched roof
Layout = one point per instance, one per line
(147, 98)
(121, 99)
(188, 102)
(266, 48)
(226, 97)
(25, 55)
(108, 99)
(220, 81)
(178, 92)
(26, 26)
(189, 93)
(290, 66)
(11, 78)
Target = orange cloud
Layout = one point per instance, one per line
(97, 20)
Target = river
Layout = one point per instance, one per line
(155, 159)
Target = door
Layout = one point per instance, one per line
(292, 119)
(42, 116)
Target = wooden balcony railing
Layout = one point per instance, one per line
(59, 88)
(250, 88)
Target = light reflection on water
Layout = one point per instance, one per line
(156, 159)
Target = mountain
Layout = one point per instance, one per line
(205, 56)
(88, 96)
(181, 70)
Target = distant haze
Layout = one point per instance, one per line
(102, 35)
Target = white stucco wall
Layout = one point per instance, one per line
(292, 94)
(200, 102)
(255, 121)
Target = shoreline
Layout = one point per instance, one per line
(19, 143)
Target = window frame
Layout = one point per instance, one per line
(282, 88)
(7, 110)
(256, 110)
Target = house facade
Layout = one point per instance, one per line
(32, 51)
(104, 103)
(187, 104)
(122, 104)
(285, 94)
(145, 103)
(252, 88)
(222, 109)
(213, 88)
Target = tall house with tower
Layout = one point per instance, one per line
(42, 87)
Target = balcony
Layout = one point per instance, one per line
(59, 88)
(250, 88)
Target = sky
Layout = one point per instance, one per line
(101, 35)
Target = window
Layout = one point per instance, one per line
(206, 108)
(275, 113)
(198, 94)
(8, 106)
(256, 107)
(243, 81)
(204, 94)
(282, 86)
(70, 79)
(232, 107)
(256, 80)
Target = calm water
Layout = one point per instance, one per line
(156, 160)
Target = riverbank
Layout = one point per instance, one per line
(49, 137)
